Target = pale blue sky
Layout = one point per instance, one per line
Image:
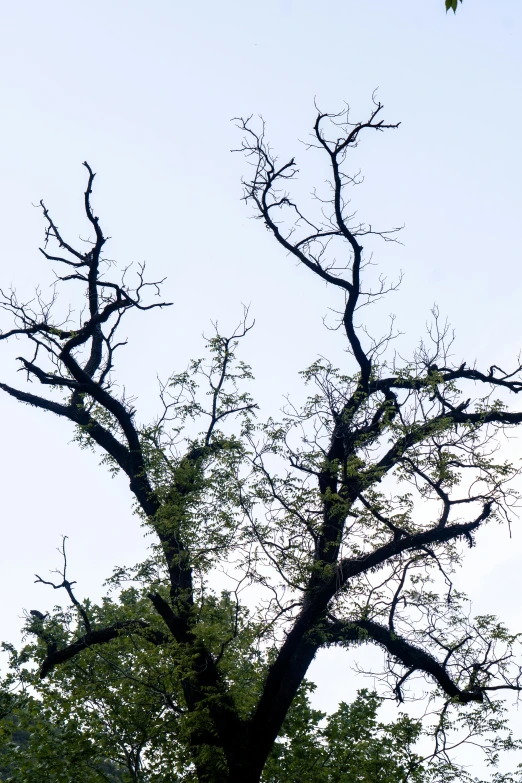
(145, 92)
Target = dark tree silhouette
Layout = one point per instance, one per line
(346, 517)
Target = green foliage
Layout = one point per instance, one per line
(349, 745)
(34, 748)
(118, 712)
(52, 740)
(452, 4)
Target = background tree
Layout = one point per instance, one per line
(339, 525)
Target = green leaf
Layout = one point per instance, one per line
(452, 4)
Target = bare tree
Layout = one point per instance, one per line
(344, 521)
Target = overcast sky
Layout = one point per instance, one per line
(145, 92)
